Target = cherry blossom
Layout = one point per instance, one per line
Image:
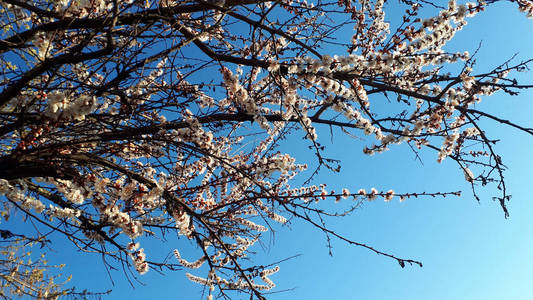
(120, 120)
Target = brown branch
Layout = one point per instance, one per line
(143, 17)
(69, 58)
(401, 261)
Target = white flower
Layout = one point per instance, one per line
(469, 176)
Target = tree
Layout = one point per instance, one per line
(20, 275)
(125, 120)
(23, 274)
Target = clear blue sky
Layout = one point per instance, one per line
(468, 249)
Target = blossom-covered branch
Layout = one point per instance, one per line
(120, 118)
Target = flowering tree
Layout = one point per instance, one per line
(122, 119)
(23, 274)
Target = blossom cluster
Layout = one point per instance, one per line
(85, 8)
(132, 228)
(61, 106)
(139, 260)
(19, 195)
(72, 191)
(191, 265)
(237, 93)
(214, 278)
(65, 212)
(183, 223)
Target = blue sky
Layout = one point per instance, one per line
(469, 250)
